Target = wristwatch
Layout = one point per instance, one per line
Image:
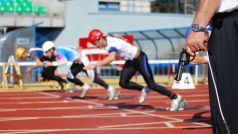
(198, 28)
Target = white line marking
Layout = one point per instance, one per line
(90, 107)
(169, 124)
(140, 112)
(30, 131)
(105, 115)
(135, 124)
(38, 102)
(123, 115)
(23, 98)
(48, 94)
(113, 107)
(48, 108)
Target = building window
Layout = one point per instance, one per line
(109, 6)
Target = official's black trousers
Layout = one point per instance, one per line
(223, 53)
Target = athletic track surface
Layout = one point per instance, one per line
(51, 112)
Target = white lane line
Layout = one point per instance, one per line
(185, 96)
(144, 113)
(138, 112)
(193, 91)
(128, 110)
(169, 125)
(8, 110)
(132, 111)
(48, 108)
(38, 102)
(106, 115)
(18, 118)
(197, 100)
(48, 94)
(166, 101)
(190, 96)
(197, 95)
(67, 117)
(124, 115)
(30, 131)
(90, 107)
(137, 124)
(23, 98)
(98, 104)
(185, 115)
(32, 97)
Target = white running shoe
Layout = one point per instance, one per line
(117, 95)
(177, 104)
(86, 88)
(113, 93)
(144, 93)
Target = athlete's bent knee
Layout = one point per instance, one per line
(123, 84)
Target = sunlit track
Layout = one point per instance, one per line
(139, 112)
(29, 131)
(97, 114)
(24, 98)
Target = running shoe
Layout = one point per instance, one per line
(177, 104)
(86, 88)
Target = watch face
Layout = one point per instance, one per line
(196, 27)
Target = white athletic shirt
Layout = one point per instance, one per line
(124, 49)
(228, 5)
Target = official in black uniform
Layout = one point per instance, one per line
(223, 54)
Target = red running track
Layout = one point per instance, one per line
(66, 113)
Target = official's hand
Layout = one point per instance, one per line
(195, 42)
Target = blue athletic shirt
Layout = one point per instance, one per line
(68, 53)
